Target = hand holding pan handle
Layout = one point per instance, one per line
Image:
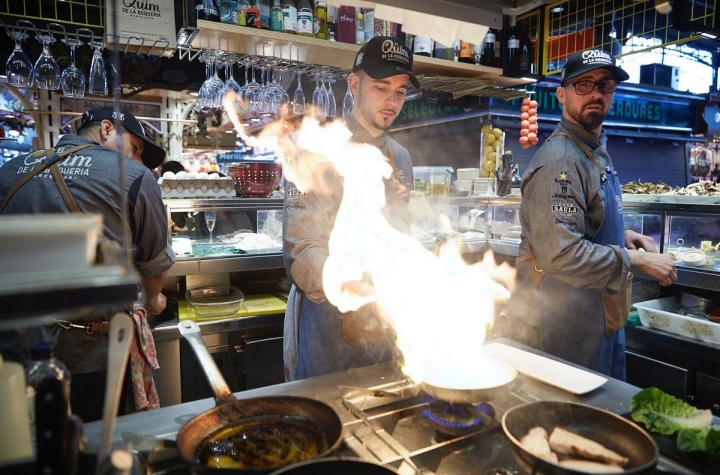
(191, 331)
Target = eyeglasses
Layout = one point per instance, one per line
(587, 86)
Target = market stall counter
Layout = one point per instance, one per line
(387, 421)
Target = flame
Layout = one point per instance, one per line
(439, 306)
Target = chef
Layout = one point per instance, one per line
(573, 273)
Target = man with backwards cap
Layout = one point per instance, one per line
(318, 339)
(573, 273)
(91, 176)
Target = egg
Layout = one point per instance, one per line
(169, 175)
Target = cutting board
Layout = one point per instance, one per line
(253, 305)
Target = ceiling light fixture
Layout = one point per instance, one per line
(557, 9)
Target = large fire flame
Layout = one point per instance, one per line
(439, 306)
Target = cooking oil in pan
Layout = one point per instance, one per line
(262, 443)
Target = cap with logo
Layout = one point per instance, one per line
(385, 56)
(589, 60)
(152, 155)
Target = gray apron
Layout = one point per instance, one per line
(572, 322)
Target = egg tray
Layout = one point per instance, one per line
(220, 187)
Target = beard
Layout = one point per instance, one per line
(589, 120)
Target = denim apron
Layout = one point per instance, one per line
(572, 322)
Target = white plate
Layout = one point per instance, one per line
(560, 375)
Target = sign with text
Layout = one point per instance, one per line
(143, 22)
(627, 109)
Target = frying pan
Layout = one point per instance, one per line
(272, 410)
(606, 428)
(472, 395)
(335, 466)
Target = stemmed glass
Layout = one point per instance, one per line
(318, 98)
(228, 60)
(98, 75)
(211, 91)
(210, 222)
(348, 100)
(331, 103)
(253, 94)
(19, 69)
(47, 71)
(299, 97)
(73, 80)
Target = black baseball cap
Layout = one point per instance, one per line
(588, 60)
(385, 56)
(152, 155)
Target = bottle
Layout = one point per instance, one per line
(332, 15)
(452, 52)
(228, 11)
(15, 438)
(346, 25)
(440, 50)
(242, 9)
(264, 6)
(304, 19)
(488, 51)
(253, 15)
(43, 365)
(513, 48)
(207, 10)
(359, 29)
(289, 17)
(465, 53)
(423, 46)
(276, 16)
(498, 50)
(320, 29)
(477, 53)
(332, 37)
(524, 56)
(369, 23)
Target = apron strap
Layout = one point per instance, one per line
(51, 161)
(584, 148)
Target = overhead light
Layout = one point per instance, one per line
(707, 35)
(663, 6)
(557, 10)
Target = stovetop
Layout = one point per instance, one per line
(390, 426)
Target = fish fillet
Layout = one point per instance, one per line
(536, 442)
(590, 467)
(569, 443)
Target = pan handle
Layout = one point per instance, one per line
(191, 331)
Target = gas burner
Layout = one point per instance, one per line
(456, 419)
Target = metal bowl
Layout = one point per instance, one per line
(604, 427)
(256, 179)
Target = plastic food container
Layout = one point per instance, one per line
(653, 314)
(217, 301)
(432, 181)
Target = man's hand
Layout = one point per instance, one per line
(660, 266)
(637, 241)
(156, 305)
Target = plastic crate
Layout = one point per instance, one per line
(652, 315)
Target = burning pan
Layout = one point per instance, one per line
(606, 428)
(297, 424)
(473, 395)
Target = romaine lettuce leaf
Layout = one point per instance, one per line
(666, 414)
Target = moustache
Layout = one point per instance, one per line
(595, 103)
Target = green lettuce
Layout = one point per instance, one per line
(704, 439)
(666, 414)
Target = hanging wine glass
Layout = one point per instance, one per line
(18, 68)
(47, 71)
(331, 103)
(253, 94)
(299, 96)
(284, 96)
(98, 75)
(229, 60)
(73, 79)
(212, 90)
(318, 101)
(348, 100)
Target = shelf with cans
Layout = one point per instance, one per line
(336, 37)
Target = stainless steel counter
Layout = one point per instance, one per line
(476, 456)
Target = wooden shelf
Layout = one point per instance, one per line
(244, 40)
